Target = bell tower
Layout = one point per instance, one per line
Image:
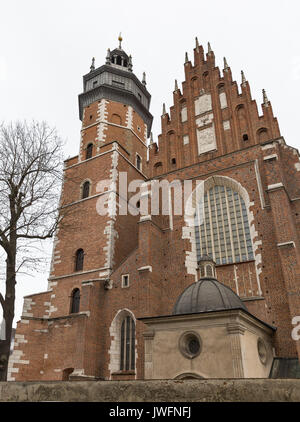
(114, 106)
(116, 122)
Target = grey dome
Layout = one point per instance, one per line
(208, 294)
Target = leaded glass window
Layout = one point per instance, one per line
(127, 358)
(222, 227)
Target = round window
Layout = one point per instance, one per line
(262, 351)
(190, 344)
(193, 346)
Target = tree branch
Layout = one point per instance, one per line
(2, 301)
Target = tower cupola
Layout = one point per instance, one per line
(118, 58)
(115, 81)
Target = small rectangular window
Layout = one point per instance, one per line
(118, 83)
(125, 280)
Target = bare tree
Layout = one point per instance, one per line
(30, 180)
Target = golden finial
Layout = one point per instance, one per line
(120, 40)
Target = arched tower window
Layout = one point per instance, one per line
(127, 344)
(222, 227)
(86, 189)
(89, 151)
(79, 257)
(75, 301)
(138, 162)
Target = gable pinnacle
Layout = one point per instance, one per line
(151, 138)
(176, 85)
(92, 65)
(243, 78)
(186, 58)
(197, 44)
(225, 64)
(164, 109)
(209, 48)
(265, 97)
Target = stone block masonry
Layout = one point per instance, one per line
(155, 391)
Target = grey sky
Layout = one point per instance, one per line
(46, 47)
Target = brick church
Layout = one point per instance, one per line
(207, 292)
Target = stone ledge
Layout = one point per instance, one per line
(217, 390)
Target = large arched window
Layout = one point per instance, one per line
(127, 344)
(79, 260)
(75, 301)
(222, 227)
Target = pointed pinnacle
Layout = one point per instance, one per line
(108, 56)
(151, 138)
(130, 63)
(197, 43)
(164, 109)
(265, 97)
(176, 85)
(209, 48)
(243, 77)
(186, 58)
(225, 64)
(92, 67)
(120, 41)
(144, 79)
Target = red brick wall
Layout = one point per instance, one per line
(84, 341)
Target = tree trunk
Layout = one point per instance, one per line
(9, 309)
(5, 351)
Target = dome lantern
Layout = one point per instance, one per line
(206, 267)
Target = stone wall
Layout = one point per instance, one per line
(253, 390)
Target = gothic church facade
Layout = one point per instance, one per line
(111, 309)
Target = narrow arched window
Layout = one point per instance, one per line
(209, 272)
(79, 260)
(86, 189)
(138, 162)
(222, 227)
(89, 151)
(75, 301)
(127, 355)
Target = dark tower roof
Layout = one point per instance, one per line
(115, 81)
(208, 294)
(119, 52)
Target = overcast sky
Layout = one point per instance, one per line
(46, 47)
